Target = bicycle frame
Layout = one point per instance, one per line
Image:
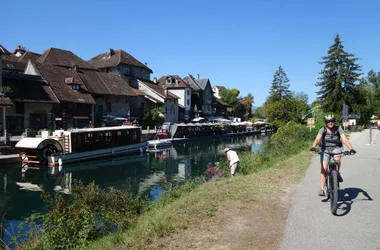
(332, 183)
(333, 165)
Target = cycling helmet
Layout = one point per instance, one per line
(329, 118)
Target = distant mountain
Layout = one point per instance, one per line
(254, 108)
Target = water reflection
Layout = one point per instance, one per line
(150, 173)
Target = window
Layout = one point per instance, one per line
(188, 102)
(109, 107)
(188, 92)
(75, 87)
(127, 71)
(20, 108)
(166, 110)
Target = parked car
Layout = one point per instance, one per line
(111, 120)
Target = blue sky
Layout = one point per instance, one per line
(237, 44)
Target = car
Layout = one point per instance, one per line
(111, 120)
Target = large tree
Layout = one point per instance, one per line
(280, 87)
(247, 102)
(369, 89)
(337, 78)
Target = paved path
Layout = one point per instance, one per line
(312, 226)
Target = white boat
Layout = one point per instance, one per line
(78, 145)
(160, 141)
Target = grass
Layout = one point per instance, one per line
(200, 205)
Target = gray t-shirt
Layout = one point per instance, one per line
(331, 137)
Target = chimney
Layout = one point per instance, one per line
(112, 52)
(155, 79)
(74, 67)
(198, 76)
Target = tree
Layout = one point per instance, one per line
(247, 102)
(230, 96)
(338, 77)
(369, 89)
(280, 87)
(153, 117)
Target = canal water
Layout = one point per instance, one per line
(149, 173)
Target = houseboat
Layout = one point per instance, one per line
(78, 145)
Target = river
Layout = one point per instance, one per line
(148, 173)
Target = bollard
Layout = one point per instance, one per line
(370, 135)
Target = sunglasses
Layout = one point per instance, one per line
(330, 122)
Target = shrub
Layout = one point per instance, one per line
(86, 215)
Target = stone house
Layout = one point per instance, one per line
(177, 86)
(128, 67)
(85, 93)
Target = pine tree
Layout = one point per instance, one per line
(338, 77)
(280, 87)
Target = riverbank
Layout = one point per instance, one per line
(246, 212)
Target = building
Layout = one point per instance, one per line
(156, 96)
(216, 90)
(128, 67)
(177, 86)
(201, 96)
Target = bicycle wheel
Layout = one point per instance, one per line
(333, 191)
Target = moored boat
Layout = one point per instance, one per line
(160, 140)
(78, 145)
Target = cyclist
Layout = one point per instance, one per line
(331, 137)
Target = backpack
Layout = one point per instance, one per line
(337, 141)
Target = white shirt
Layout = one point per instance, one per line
(233, 157)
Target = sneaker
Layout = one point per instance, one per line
(321, 192)
(340, 179)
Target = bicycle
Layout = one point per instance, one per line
(332, 184)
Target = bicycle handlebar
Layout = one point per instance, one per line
(332, 154)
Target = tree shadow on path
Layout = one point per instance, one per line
(348, 196)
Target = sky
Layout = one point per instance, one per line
(235, 43)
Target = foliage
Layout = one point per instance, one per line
(283, 105)
(86, 215)
(290, 135)
(230, 96)
(153, 117)
(237, 106)
(247, 103)
(5, 89)
(280, 87)
(369, 89)
(337, 78)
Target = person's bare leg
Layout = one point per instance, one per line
(323, 174)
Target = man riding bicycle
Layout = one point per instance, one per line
(331, 139)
